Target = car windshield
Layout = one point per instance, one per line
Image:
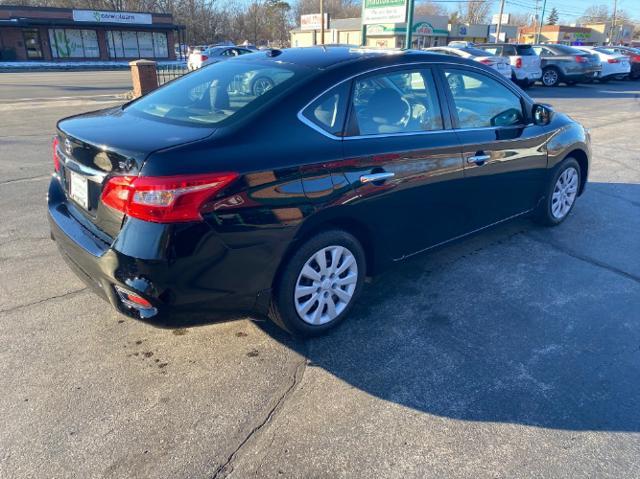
(219, 93)
(476, 52)
(525, 50)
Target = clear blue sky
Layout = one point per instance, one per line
(569, 10)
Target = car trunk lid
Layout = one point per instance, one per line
(96, 146)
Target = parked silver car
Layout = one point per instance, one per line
(199, 58)
(561, 63)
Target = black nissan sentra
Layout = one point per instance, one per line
(274, 182)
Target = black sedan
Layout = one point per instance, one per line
(206, 195)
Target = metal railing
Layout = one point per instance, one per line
(167, 73)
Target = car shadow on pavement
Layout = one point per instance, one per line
(520, 324)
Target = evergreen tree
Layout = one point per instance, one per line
(552, 19)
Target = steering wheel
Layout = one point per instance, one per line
(406, 117)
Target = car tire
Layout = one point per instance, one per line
(300, 304)
(561, 194)
(550, 76)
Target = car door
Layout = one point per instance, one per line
(504, 153)
(403, 160)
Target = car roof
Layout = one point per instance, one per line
(330, 56)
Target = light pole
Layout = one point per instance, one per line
(544, 6)
(407, 37)
(499, 27)
(322, 22)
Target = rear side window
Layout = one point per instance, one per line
(525, 50)
(218, 93)
(328, 111)
(493, 50)
(509, 50)
(565, 50)
(396, 102)
(481, 101)
(476, 52)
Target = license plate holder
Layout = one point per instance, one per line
(79, 189)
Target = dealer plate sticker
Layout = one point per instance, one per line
(79, 189)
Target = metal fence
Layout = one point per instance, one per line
(167, 73)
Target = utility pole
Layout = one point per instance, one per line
(407, 38)
(544, 7)
(499, 27)
(535, 23)
(322, 22)
(613, 21)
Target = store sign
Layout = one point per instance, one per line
(384, 11)
(111, 17)
(312, 22)
(420, 28)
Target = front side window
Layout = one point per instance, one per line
(328, 111)
(216, 93)
(397, 102)
(481, 101)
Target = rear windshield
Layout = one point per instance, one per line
(525, 50)
(476, 52)
(565, 50)
(219, 93)
(605, 50)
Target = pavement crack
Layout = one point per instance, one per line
(296, 378)
(20, 306)
(27, 178)
(586, 259)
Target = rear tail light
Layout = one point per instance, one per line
(613, 60)
(486, 61)
(635, 58)
(164, 199)
(580, 59)
(518, 62)
(56, 158)
(133, 301)
(203, 58)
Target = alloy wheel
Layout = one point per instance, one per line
(564, 193)
(550, 77)
(326, 285)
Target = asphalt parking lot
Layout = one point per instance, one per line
(515, 353)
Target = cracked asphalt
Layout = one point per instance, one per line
(515, 353)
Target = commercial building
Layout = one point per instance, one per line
(561, 34)
(63, 34)
(428, 31)
(595, 34)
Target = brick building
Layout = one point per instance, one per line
(64, 34)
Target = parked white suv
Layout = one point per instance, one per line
(525, 64)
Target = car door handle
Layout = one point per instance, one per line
(477, 159)
(375, 177)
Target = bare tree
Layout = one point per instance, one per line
(474, 11)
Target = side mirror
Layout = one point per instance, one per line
(542, 114)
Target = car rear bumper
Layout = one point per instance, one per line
(182, 290)
(530, 74)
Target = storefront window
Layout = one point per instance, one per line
(32, 43)
(72, 43)
(131, 44)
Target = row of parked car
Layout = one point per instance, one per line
(551, 64)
